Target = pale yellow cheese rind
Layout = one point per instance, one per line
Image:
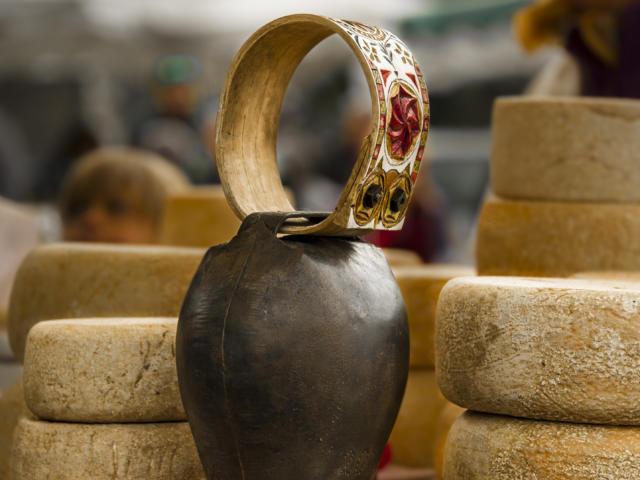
(552, 349)
(112, 370)
(198, 217)
(414, 433)
(610, 275)
(3, 318)
(420, 286)
(448, 416)
(77, 451)
(556, 239)
(12, 408)
(75, 280)
(399, 257)
(492, 447)
(566, 149)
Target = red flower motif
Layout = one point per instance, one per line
(404, 124)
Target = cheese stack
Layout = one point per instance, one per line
(566, 188)
(101, 381)
(414, 436)
(554, 365)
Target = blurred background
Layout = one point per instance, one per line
(81, 74)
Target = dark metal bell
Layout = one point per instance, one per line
(292, 355)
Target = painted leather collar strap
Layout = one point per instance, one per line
(377, 193)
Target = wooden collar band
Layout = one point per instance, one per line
(377, 193)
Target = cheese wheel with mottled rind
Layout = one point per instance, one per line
(414, 433)
(12, 408)
(552, 349)
(566, 149)
(547, 239)
(420, 286)
(76, 280)
(127, 451)
(103, 370)
(493, 447)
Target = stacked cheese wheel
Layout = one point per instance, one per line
(99, 363)
(413, 437)
(566, 185)
(553, 365)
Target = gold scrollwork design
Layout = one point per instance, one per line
(369, 199)
(396, 198)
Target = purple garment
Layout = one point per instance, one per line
(602, 80)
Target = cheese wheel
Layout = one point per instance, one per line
(420, 286)
(198, 217)
(609, 275)
(103, 370)
(75, 280)
(401, 257)
(448, 416)
(566, 149)
(493, 447)
(556, 239)
(70, 451)
(552, 349)
(413, 436)
(3, 318)
(12, 408)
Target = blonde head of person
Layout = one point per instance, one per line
(117, 195)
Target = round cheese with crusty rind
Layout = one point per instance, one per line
(112, 370)
(12, 409)
(81, 451)
(447, 417)
(76, 280)
(566, 149)
(546, 348)
(420, 286)
(546, 239)
(494, 447)
(414, 433)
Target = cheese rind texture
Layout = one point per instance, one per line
(12, 408)
(566, 149)
(75, 280)
(546, 239)
(493, 447)
(79, 451)
(414, 433)
(552, 349)
(420, 286)
(112, 370)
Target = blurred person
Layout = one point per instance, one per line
(117, 194)
(16, 162)
(602, 41)
(176, 130)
